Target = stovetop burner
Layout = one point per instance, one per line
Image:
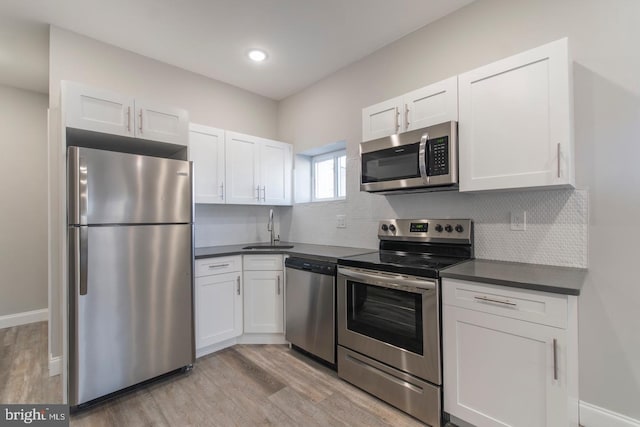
(418, 247)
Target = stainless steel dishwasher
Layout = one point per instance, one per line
(310, 295)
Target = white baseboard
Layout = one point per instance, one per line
(55, 365)
(215, 347)
(23, 318)
(262, 339)
(594, 416)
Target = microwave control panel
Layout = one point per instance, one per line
(438, 156)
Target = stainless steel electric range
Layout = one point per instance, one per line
(389, 331)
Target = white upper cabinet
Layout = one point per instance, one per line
(258, 170)
(430, 105)
(242, 153)
(98, 110)
(515, 125)
(207, 151)
(275, 172)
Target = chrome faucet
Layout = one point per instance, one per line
(270, 228)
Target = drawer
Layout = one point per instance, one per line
(532, 306)
(220, 265)
(263, 262)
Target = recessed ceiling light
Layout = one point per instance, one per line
(257, 55)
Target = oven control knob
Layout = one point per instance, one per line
(384, 227)
(439, 228)
(392, 228)
(459, 228)
(448, 228)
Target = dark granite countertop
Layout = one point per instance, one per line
(546, 278)
(306, 250)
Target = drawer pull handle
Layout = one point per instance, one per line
(238, 285)
(555, 359)
(485, 299)
(218, 266)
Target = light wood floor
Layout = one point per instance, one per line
(246, 385)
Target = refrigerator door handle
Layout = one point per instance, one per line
(78, 187)
(83, 258)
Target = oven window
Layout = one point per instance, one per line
(391, 164)
(388, 315)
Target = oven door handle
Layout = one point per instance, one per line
(422, 159)
(392, 281)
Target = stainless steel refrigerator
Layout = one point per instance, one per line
(130, 270)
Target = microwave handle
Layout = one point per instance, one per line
(422, 161)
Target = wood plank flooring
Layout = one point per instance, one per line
(246, 385)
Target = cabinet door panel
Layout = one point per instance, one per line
(515, 122)
(500, 372)
(206, 150)
(263, 302)
(431, 105)
(241, 153)
(218, 308)
(382, 119)
(275, 170)
(161, 123)
(97, 110)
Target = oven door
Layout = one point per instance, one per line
(391, 318)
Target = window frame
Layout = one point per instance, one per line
(335, 155)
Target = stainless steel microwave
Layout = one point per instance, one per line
(420, 160)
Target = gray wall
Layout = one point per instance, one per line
(23, 185)
(603, 38)
(78, 58)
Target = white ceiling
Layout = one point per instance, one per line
(306, 40)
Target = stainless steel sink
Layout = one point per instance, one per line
(263, 247)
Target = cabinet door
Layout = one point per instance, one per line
(431, 105)
(382, 119)
(275, 172)
(218, 308)
(503, 372)
(97, 110)
(206, 150)
(161, 123)
(241, 154)
(263, 302)
(515, 124)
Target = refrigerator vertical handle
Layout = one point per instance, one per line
(78, 187)
(82, 257)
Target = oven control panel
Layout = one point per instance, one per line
(425, 230)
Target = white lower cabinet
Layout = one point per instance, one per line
(264, 294)
(218, 297)
(510, 355)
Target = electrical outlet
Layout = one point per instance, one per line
(519, 220)
(341, 221)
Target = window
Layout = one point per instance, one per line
(329, 176)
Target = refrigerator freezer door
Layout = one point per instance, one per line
(135, 321)
(107, 187)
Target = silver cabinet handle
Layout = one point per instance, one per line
(258, 192)
(406, 116)
(83, 246)
(238, 285)
(222, 191)
(218, 266)
(506, 302)
(129, 119)
(397, 120)
(278, 284)
(264, 193)
(140, 124)
(558, 160)
(555, 359)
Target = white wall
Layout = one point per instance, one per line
(78, 58)
(23, 185)
(603, 38)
